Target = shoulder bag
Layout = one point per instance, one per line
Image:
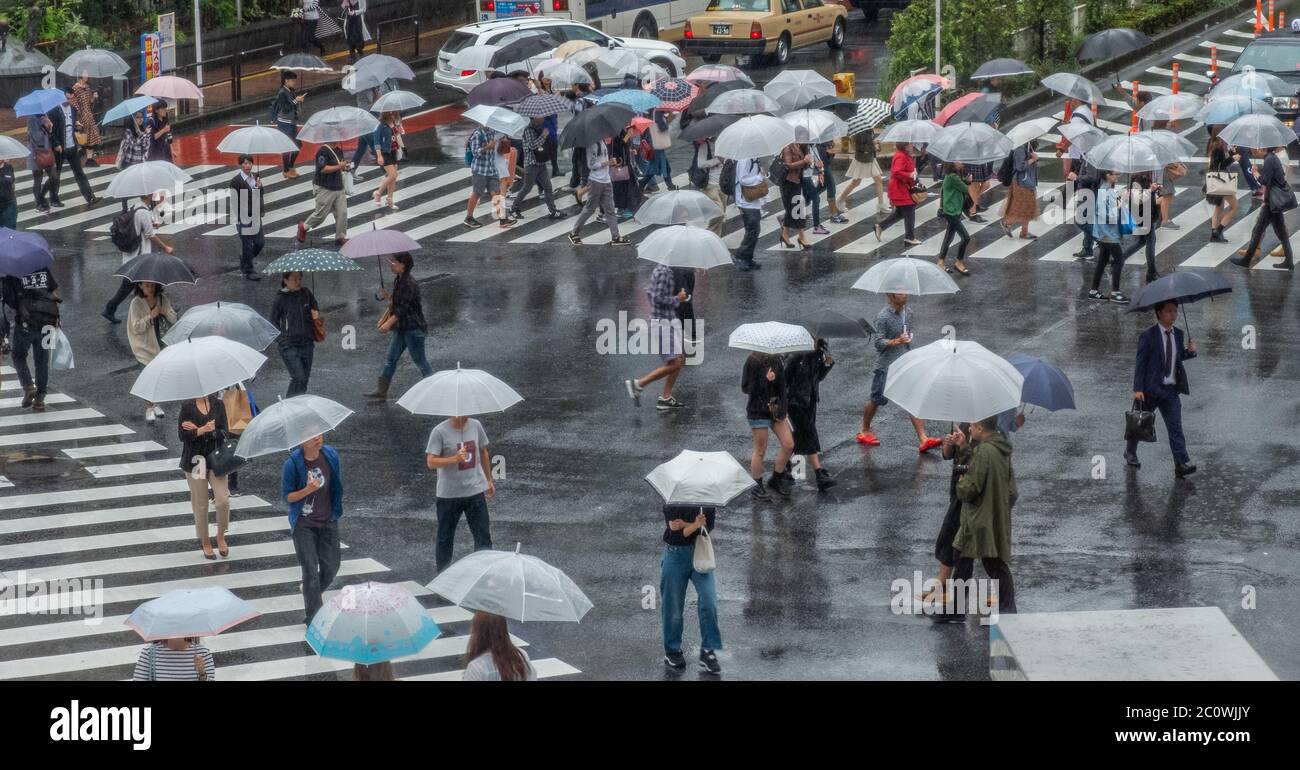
(387, 320)
(1139, 424)
(1280, 199)
(619, 173)
(919, 195)
(44, 157)
(1175, 171)
(1221, 183)
(757, 192)
(704, 559)
(222, 460)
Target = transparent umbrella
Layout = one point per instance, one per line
(1258, 132)
(94, 63)
(286, 424)
(718, 73)
(232, 320)
(147, 178)
(498, 119)
(953, 380)
(170, 87)
(911, 132)
(1181, 106)
(1027, 131)
(684, 246)
(1130, 154)
(1252, 83)
(1221, 110)
(12, 149)
(512, 585)
(1074, 86)
(677, 207)
(459, 393)
(700, 478)
(756, 136)
(822, 126)
(743, 101)
(397, 101)
(906, 275)
(793, 89)
(196, 368)
(337, 124)
(970, 143)
(371, 623)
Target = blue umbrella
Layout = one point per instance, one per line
(39, 102)
(1045, 385)
(127, 108)
(23, 253)
(190, 612)
(1181, 286)
(638, 100)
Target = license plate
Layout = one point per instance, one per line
(518, 8)
(722, 29)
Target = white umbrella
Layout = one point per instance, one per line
(911, 132)
(1130, 154)
(970, 143)
(397, 101)
(459, 393)
(684, 246)
(906, 275)
(1085, 136)
(256, 140)
(564, 74)
(1259, 132)
(1074, 86)
(512, 585)
(188, 612)
(700, 478)
(94, 63)
(754, 137)
(953, 380)
(1183, 106)
(498, 119)
(337, 124)
(232, 320)
(287, 424)
(146, 178)
(743, 101)
(611, 63)
(196, 368)
(819, 126)
(371, 623)
(1252, 83)
(1029, 130)
(677, 207)
(771, 337)
(792, 89)
(11, 148)
(474, 57)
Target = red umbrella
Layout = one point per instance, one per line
(641, 124)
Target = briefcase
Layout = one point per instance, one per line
(1139, 424)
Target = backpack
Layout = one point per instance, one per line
(1007, 171)
(123, 233)
(727, 177)
(38, 308)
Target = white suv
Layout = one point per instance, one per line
(501, 31)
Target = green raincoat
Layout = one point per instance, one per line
(987, 491)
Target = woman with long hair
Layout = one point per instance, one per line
(902, 175)
(490, 656)
(1222, 158)
(763, 381)
(796, 159)
(147, 320)
(384, 142)
(202, 427)
(1022, 199)
(404, 321)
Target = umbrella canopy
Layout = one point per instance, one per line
(190, 612)
(459, 393)
(1253, 83)
(706, 128)
(1182, 106)
(906, 275)
(674, 93)
(1001, 68)
(1175, 144)
(699, 106)
(379, 243)
(371, 623)
(565, 74)
(1085, 136)
(311, 261)
(156, 267)
(842, 108)
(1045, 385)
(498, 119)
(718, 73)
(232, 320)
(542, 105)
(196, 368)
(793, 89)
(819, 126)
(611, 63)
(287, 424)
(384, 67)
(1027, 131)
(526, 46)
(677, 207)
(641, 123)
(1111, 43)
(922, 83)
(868, 115)
(302, 61)
(1073, 86)
(986, 108)
(23, 253)
(920, 91)
(12, 149)
(94, 63)
(742, 101)
(756, 136)
(397, 101)
(146, 178)
(595, 124)
(126, 108)
(512, 585)
(337, 124)
(1221, 110)
(970, 143)
(170, 87)
(825, 324)
(945, 115)
(1182, 286)
(1130, 154)
(771, 337)
(256, 140)
(39, 102)
(634, 99)
(497, 92)
(569, 48)
(1258, 132)
(684, 246)
(953, 380)
(700, 478)
(911, 132)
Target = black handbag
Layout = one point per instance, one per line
(1280, 199)
(1139, 424)
(222, 460)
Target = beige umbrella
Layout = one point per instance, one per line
(570, 48)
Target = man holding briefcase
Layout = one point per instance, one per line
(1158, 381)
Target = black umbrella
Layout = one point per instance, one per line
(523, 48)
(1182, 286)
(707, 128)
(497, 92)
(157, 267)
(1111, 44)
(595, 124)
(843, 108)
(706, 97)
(828, 323)
(978, 111)
(1001, 68)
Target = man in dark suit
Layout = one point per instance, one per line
(1159, 379)
(66, 148)
(248, 205)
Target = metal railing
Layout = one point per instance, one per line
(380, 39)
(210, 67)
(239, 66)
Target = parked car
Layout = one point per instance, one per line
(1277, 53)
(771, 28)
(497, 32)
(871, 8)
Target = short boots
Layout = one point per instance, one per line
(38, 402)
(781, 483)
(29, 395)
(824, 480)
(381, 392)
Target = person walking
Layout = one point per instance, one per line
(35, 301)
(202, 427)
(375, 672)
(331, 197)
(666, 331)
(987, 491)
(483, 173)
(83, 98)
(65, 120)
(1022, 199)
(750, 180)
(384, 143)
(404, 320)
(42, 163)
(505, 158)
(952, 204)
(863, 167)
(294, 313)
(1080, 112)
(811, 184)
(623, 175)
(8, 196)
(767, 409)
(794, 159)
(174, 660)
(661, 140)
(458, 451)
(354, 28)
(311, 482)
(490, 655)
(894, 338)
(159, 126)
(902, 175)
(1085, 182)
(826, 154)
(144, 226)
(1105, 229)
(250, 208)
(803, 375)
(536, 149)
(676, 572)
(600, 195)
(135, 144)
(1143, 197)
(284, 114)
(1223, 207)
(147, 320)
(1278, 199)
(1160, 380)
(957, 448)
(310, 22)
(712, 165)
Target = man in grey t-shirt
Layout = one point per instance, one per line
(457, 450)
(894, 330)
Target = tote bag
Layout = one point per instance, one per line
(704, 560)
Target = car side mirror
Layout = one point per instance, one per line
(613, 43)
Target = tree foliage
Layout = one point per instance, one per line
(973, 31)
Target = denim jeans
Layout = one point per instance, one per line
(676, 569)
(297, 360)
(449, 512)
(411, 340)
(29, 338)
(317, 549)
(658, 167)
(750, 218)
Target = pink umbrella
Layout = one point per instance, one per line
(942, 81)
(170, 87)
(954, 106)
(641, 124)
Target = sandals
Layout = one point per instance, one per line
(944, 265)
(961, 269)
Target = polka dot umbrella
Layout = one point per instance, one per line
(311, 261)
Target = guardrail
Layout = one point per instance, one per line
(381, 40)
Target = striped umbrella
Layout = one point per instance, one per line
(675, 93)
(870, 113)
(311, 261)
(543, 105)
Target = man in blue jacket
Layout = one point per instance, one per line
(312, 485)
(1159, 379)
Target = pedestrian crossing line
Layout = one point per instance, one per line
(269, 183)
(51, 399)
(1213, 254)
(114, 207)
(105, 516)
(1239, 33)
(190, 557)
(868, 244)
(563, 201)
(1109, 125)
(105, 450)
(134, 469)
(1158, 89)
(1182, 76)
(628, 227)
(358, 204)
(6, 369)
(70, 434)
(859, 216)
(41, 418)
(546, 668)
(90, 494)
(25, 182)
(98, 185)
(387, 221)
(274, 196)
(1221, 46)
(244, 526)
(1003, 245)
(1223, 65)
(1268, 261)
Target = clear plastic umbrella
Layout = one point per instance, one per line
(771, 337)
(286, 424)
(94, 63)
(743, 101)
(677, 207)
(170, 87)
(793, 89)
(337, 124)
(822, 126)
(1027, 131)
(1130, 154)
(911, 132)
(1175, 144)
(1074, 86)
(1221, 110)
(498, 119)
(610, 63)
(1252, 83)
(684, 246)
(196, 368)
(564, 74)
(189, 612)
(12, 149)
(953, 380)
(1181, 106)
(256, 140)
(459, 393)
(1085, 136)
(232, 320)
(374, 70)
(718, 73)
(397, 101)
(756, 136)
(906, 275)
(512, 585)
(700, 478)
(970, 143)
(301, 61)
(1258, 132)
(371, 623)
(147, 178)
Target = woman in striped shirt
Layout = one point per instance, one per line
(175, 660)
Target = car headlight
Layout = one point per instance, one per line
(1286, 102)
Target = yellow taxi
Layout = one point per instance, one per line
(771, 28)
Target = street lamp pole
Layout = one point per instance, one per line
(938, 14)
(198, 45)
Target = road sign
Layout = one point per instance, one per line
(150, 56)
(167, 40)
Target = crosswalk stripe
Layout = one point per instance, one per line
(103, 516)
(1037, 227)
(627, 228)
(388, 221)
(243, 526)
(90, 494)
(1148, 87)
(535, 205)
(190, 557)
(41, 418)
(71, 434)
(1238, 33)
(67, 191)
(23, 182)
(358, 205)
(1268, 261)
(868, 244)
(177, 215)
(112, 208)
(1213, 254)
(107, 450)
(52, 398)
(182, 225)
(546, 668)
(1188, 76)
(134, 469)
(1223, 65)
(1109, 125)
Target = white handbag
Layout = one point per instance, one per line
(1221, 183)
(704, 560)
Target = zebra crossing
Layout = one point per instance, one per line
(123, 517)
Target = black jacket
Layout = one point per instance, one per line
(191, 445)
(406, 304)
(1273, 174)
(291, 314)
(249, 203)
(803, 375)
(285, 109)
(753, 381)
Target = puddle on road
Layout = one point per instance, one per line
(21, 465)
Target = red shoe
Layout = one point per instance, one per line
(302, 232)
(930, 443)
(868, 438)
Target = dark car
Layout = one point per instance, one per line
(1277, 53)
(871, 8)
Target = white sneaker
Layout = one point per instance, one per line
(148, 415)
(158, 412)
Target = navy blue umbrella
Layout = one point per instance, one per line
(1045, 384)
(1181, 286)
(23, 253)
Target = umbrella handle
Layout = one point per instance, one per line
(1183, 307)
